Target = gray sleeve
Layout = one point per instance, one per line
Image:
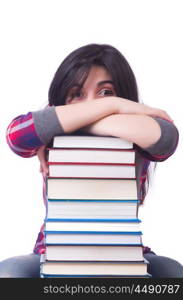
(47, 124)
(168, 140)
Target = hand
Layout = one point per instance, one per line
(43, 163)
(125, 106)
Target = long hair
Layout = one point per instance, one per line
(75, 68)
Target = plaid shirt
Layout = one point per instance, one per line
(23, 140)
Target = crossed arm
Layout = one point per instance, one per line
(112, 116)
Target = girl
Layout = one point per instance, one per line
(94, 91)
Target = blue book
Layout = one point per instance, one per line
(92, 209)
(91, 189)
(92, 237)
(93, 269)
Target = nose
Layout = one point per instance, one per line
(90, 96)
(89, 99)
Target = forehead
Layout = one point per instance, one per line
(96, 76)
(98, 72)
(91, 77)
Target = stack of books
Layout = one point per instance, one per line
(92, 227)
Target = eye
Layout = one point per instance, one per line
(76, 94)
(106, 92)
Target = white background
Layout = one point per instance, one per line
(35, 37)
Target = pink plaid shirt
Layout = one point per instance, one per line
(23, 140)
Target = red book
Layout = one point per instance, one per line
(91, 157)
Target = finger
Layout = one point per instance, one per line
(161, 114)
(166, 116)
(44, 170)
(43, 163)
(40, 154)
(44, 167)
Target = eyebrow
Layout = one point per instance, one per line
(98, 83)
(105, 81)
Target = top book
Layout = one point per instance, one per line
(77, 141)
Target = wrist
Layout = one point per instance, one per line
(113, 104)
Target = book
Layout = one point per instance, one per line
(93, 269)
(97, 269)
(91, 171)
(94, 253)
(91, 155)
(91, 227)
(97, 142)
(91, 189)
(76, 232)
(92, 209)
(95, 238)
(106, 157)
(113, 226)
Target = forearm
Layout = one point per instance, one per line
(58, 120)
(52, 121)
(75, 116)
(139, 129)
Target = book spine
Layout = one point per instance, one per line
(43, 275)
(93, 220)
(94, 232)
(91, 164)
(126, 178)
(91, 200)
(91, 178)
(92, 244)
(93, 149)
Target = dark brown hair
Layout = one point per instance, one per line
(76, 66)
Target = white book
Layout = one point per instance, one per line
(91, 189)
(91, 171)
(93, 238)
(92, 209)
(93, 226)
(94, 253)
(94, 268)
(80, 141)
(91, 155)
